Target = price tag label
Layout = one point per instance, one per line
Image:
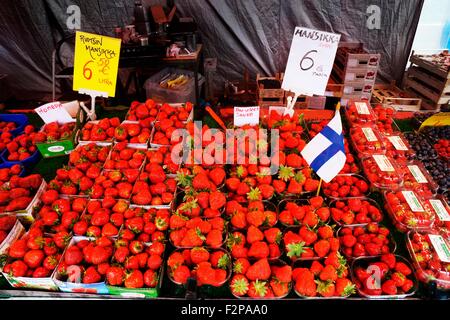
(441, 247)
(96, 63)
(412, 201)
(398, 143)
(246, 115)
(361, 108)
(440, 210)
(369, 134)
(54, 111)
(417, 174)
(310, 61)
(383, 162)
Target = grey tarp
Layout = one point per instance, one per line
(255, 34)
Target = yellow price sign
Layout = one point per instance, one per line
(439, 119)
(96, 63)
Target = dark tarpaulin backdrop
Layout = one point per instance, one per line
(241, 33)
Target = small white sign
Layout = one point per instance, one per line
(441, 247)
(53, 111)
(369, 134)
(383, 162)
(398, 143)
(361, 108)
(246, 115)
(412, 201)
(440, 210)
(310, 61)
(417, 174)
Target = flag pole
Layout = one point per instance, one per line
(338, 107)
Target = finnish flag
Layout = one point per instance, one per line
(325, 153)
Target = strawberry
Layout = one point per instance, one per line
(239, 285)
(322, 247)
(260, 270)
(328, 273)
(240, 266)
(389, 287)
(254, 234)
(259, 250)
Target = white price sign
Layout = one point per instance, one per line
(310, 61)
(53, 111)
(246, 115)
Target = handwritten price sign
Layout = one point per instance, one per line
(96, 63)
(310, 61)
(246, 115)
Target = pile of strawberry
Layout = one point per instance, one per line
(429, 266)
(323, 278)
(396, 276)
(6, 126)
(7, 173)
(101, 218)
(196, 232)
(405, 217)
(207, 266)
(366, 140)
(384, 178)
(18, 193)
(88, 155)
(59, 214)
(145, 113)
(350, 211)
(175, 113)
(285, 123)
(360, 113)
(443, 147)
(295, 182)
(123, 157)
(115, 183)
(306, 242)
(162, 156)
(254, 244)
(86, 261)
(343, 186)
(262, 279)
(23, 146)
(309, 213)
(135, 264)
(34, 255)
(132, 132)
(255, 213)
(163, 129)
(371, 240)
(385, 118)
(73, 181)
(55, 131)
(6, 225)
(101, 130)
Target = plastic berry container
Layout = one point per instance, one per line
(360, 112)
(385, 118)
(370, 283)
(441, 209)
(264, 283)
(417, 178)
(382, 172)
(408, 211)
(343, 273)
(366, 140)
(429, 252)
(398, 147)
(345, 186)
(345, 212)
(366, 237)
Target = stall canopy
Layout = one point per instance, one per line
(253, 34)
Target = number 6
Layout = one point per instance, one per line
(305, 57)
(87, 70)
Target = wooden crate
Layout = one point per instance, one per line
(393, 96)
(358, 87)
(422, 62)
(264, 95)
(346, 59)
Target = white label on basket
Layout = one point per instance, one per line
(398, 143)
(412, 201)
(383, 162)
(441, 247)
(352, 62)
(440, 210)
(370, 135)
(361, 108)
(417, 174)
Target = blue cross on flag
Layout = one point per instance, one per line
(325, 153)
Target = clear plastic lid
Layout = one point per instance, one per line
(355, 211)
(360, 112)
(430, 253)
(382, 172)
(367, 140)
(441, 209)
(408, 210)
(416, 177)
(346, 185)
(385, 118)
(398, 147)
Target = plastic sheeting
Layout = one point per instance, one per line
(253, 34)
